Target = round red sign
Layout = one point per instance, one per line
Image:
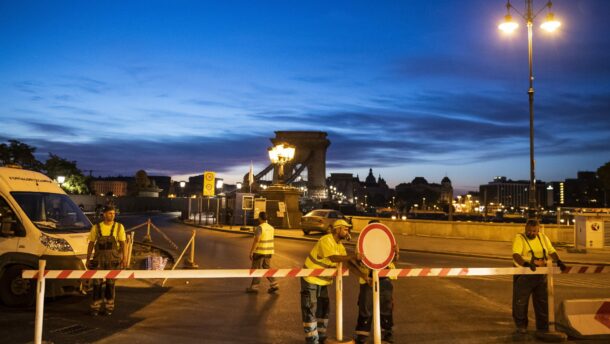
(376, 244)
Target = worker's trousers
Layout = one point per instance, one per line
(365, 309)
(523, 287)
(315, 309)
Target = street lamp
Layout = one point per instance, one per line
(280, 155)
(182, 185)
(508, 26)
(61, 179)
(238, 184)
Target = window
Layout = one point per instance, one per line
(9, 223)
(55, 213)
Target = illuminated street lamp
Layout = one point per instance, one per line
(508, 26)
(280, 155)
(61, 179)
(238, 184)
(182, 185)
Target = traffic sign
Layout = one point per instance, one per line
(376, 244)
(208, 183)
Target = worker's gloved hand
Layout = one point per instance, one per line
(561, 265)
(530, 265)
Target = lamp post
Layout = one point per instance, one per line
(508, 26)
(61, 180)
(182, 185)
(280, 155)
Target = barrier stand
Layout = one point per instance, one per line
(190, 263)
(147, 238)
(552, 335)
(376, 314)
(339, 308)
(130, 247)
(39, 301)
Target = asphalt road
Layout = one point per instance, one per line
(427, 310)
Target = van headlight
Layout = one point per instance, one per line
(55, 244)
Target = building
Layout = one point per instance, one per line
(510, 193)
(101, 187)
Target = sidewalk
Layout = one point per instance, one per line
(454, 246)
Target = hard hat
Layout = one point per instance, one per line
(340, 223)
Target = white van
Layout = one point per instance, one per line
(38, 221)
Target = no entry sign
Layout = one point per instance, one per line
(376, 244)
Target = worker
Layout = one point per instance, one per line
(107, 243)
(315, 304)
(365, 301)
(532, 249)
(261, 252)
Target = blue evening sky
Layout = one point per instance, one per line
(409, 88)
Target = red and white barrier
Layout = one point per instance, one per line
(212, 273)
(585, 318)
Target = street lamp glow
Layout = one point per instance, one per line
(508, 25)
(61, 179)
(219, 183)
(238, 184)
(281, 154)
(182, 184)
(550, 24)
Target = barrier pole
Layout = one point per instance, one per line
(552, 335)
(39, 302)
(376, 315)
(217, 211)
(130, 248)
(191, 261)
(339, 301)
(147, 236)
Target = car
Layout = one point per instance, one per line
(321, 220)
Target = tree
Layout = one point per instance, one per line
(16, 152)
(75, 181)
(603, 173)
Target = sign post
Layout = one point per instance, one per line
(376, 244)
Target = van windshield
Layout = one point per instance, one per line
(53, 213)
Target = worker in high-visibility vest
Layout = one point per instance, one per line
(532, 249)
(107, 244)
(315, 305)
(261, 252)
(365, 301)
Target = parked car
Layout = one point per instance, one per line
(321, 220)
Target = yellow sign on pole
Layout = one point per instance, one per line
(208, 183)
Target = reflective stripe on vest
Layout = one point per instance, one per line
(313, 262)
(265, 244)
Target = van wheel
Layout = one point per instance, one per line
(306, 232)
(14, 290)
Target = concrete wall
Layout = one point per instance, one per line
(466, 230)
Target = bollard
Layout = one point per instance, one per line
(39, 301)
(147, 238)
(190, 263)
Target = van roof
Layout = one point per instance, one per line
(16, 179)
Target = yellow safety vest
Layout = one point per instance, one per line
(369, 272)
(265, 244)
(318, 258)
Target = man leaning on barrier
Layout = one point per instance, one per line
(108, 239)
(531, 249)
(315, 305)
